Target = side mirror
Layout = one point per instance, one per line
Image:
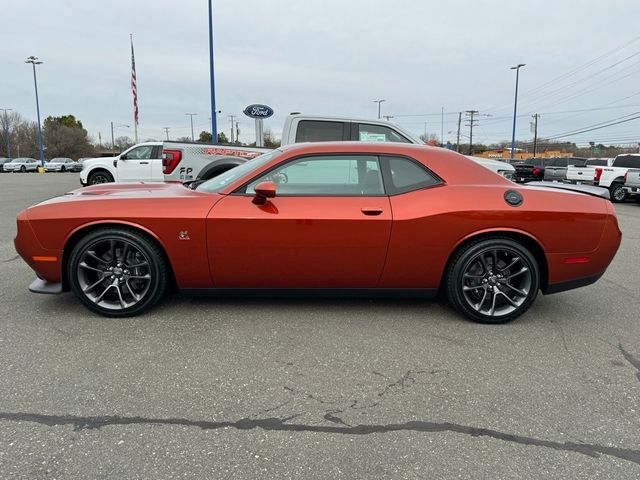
(264, 190)
(123, 156)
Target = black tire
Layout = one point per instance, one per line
(23, 169)
(62, 169)
(617, 192)
(98, 177)
(100, 260)
(468, 291)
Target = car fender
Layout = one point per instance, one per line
(97, 223)
(497, 230)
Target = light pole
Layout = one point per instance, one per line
(113, 144)
(34, 61)
(214, 126)
(515, 109)
(379, 102)
(7, 134)
(191, 115)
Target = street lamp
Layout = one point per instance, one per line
(214, 120)
(113, 144)
(191, 115)
(515, 108)
(7, 134)
(34, 61)
(379, 102)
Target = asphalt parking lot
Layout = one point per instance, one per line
(316, 388)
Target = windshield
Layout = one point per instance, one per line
(218, 183)
(57, 160)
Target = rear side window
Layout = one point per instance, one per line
(319, 131)
(405, 175)
(578, 162)
(379, 133)
(627, 161)
(597, 163)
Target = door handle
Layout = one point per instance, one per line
(371, 210)
(144, 163)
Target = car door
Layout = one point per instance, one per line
(328, 227)
(156, 164)
(135, 165)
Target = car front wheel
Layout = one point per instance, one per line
(493, 280)
(99, 177)
(117, 272)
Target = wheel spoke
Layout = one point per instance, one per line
(91, 287)
(494, 254)
(123, 254)
(122, 302)
(93, 255)
(467, 288)
(99, 298)
(140, 277)
(484, 263)
(479, 305)
(88, 267)
(113, 251)
(520, 272)
(138, 265)
(133, 294)
(493, 303)
(522, 293)
(513, 263)
(512, 302)
(473, 277)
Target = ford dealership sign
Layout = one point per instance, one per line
(258, 111)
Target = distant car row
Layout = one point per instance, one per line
(25, 164)
(609, 173)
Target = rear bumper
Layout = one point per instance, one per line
(571, 284)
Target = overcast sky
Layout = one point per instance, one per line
(329, 57)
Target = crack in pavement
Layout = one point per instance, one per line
(631, 359)
(12, 259)
(281, 425)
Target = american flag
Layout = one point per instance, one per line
(134, 85)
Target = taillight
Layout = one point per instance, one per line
(536, 171)
(625, 176)
(170, 160)
(598, 174)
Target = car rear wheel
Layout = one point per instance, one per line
(617, 193)
(99, 177)
(117, 272)
(493, 280)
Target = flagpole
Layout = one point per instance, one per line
(134, 91)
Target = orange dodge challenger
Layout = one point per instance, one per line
(330, 219)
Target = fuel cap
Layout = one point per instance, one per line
(513, 198)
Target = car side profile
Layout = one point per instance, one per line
(347, 218)
(62, 164)
(21, 165)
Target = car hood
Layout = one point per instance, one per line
(129, 191)
(92, 161)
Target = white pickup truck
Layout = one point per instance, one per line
(632, 183)
(142, 162)
(192, 162)
(610, 176)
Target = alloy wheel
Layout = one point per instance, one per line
(496, 282)
(114, 274)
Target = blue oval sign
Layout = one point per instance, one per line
(258, 111)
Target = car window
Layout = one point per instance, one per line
(143, 152)
(379, 133)
(320, 131)
(597, 162)
(627, 161)
(406, 175)
(339, 175)
(221, 181)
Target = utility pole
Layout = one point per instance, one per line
(232, 118)
(237, 132)
(442, 127)
(379, 102)
(535, 133)
(166, 130)
(113, 144)
(193, 139)
(471, 124)
(515, 109)
(458, 139)
(7, 132)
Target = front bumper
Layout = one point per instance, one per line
(42, 286)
